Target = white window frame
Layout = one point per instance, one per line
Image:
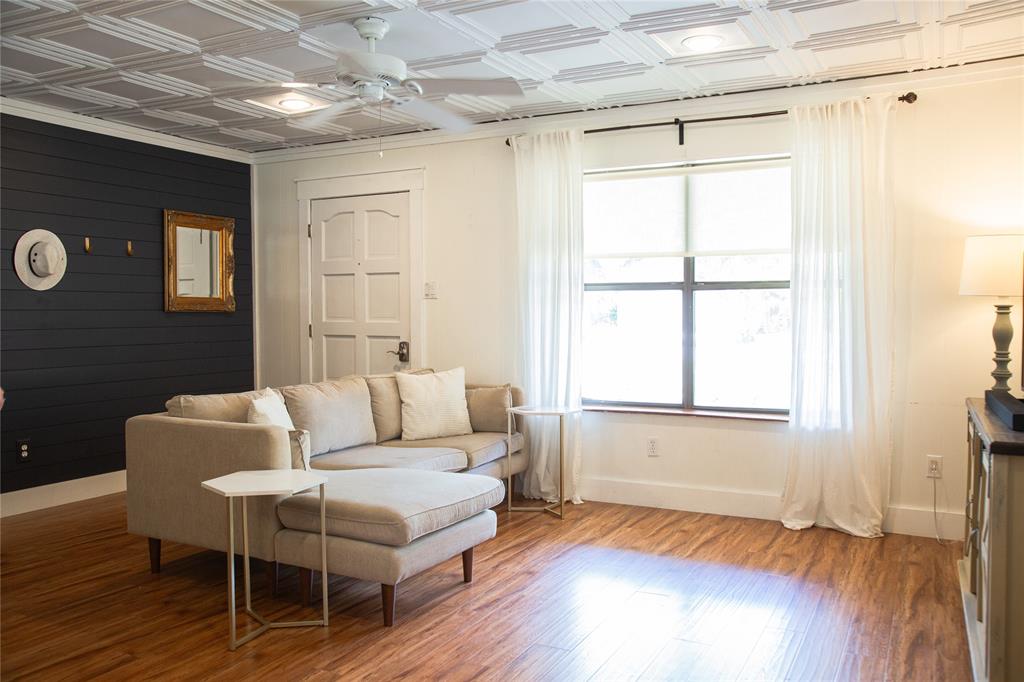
(688, 286)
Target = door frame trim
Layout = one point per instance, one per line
(409, 180)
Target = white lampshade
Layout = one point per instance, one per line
(993, 265)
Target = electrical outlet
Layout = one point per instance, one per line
(652, 447)
(23, 454)
(934, 466)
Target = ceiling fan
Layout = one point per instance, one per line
(377, 77)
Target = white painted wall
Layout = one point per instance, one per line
(469, 250)
(958, 170)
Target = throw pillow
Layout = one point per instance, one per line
(487, 407)
(386, 404)
(270, 409)
(434, 405)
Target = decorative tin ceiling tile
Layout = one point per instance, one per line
(186, 67)
(190, 20)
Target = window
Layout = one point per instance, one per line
(686, 298)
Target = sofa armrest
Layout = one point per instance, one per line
(168, 458)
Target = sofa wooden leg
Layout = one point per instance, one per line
(467, 566)
(154, 555)
(306, 586)
(271, 568)
(387, 595)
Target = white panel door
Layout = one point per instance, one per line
(359, 284)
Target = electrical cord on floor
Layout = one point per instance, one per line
(935, 511)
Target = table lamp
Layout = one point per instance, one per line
(994, 266)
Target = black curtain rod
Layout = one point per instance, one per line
(909, 98)
(679, 121)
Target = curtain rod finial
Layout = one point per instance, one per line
(909, 98)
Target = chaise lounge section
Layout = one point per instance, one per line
(387, 525)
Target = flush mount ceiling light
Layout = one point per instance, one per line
(294, 104)
(703, 42)
(289, 102)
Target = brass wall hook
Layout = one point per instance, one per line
(129, 249)
(88, 245)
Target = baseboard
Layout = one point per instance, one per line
(726, 502)
(906, 520)
(55, 494)
(903, 520)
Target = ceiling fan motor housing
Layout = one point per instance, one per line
(357, 67)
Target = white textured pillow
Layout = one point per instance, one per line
(270, 409)
(434, 405)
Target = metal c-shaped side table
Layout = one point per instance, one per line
(250, 484)
(561, 413)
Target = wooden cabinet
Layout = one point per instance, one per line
(992, 568)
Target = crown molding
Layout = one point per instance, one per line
(41, 112)
(730, 104)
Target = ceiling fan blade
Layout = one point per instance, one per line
(469, 86)
(216, 85)
(324, 115)
(435, 115)
(259, 84)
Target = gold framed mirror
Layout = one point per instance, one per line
(199, 257)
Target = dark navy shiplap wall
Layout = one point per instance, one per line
(77, 360)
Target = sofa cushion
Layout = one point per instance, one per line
(434, 405)
(480, 448)
(488, 407)
(379, 457)
(336, 413)
(385, 564)
(391, 506)
(386, 404)
(221, 407)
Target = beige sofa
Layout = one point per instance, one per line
(202, 437)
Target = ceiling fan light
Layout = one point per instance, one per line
(294, 104)
(703, 42)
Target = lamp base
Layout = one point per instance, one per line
(1002, 334)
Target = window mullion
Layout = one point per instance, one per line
(688, 333)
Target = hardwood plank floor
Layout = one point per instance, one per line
(611, 593)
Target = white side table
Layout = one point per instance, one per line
(246, 484)
(561, 413)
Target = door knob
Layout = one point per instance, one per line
(402, 352)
